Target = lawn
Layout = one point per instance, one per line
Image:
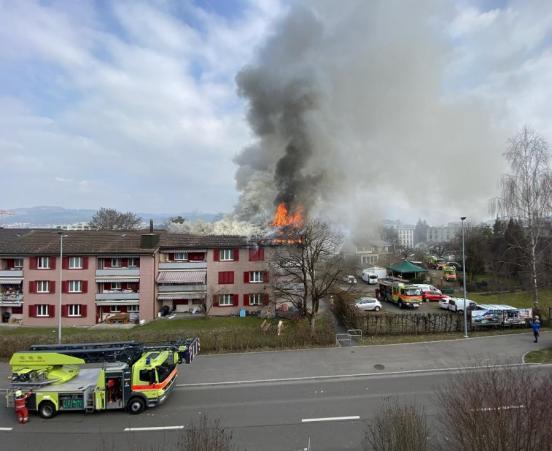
(518, 299)
(543, 356)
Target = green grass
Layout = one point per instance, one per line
(543, 356)
(520, 299)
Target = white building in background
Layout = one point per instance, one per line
(405, 232)
(441, 234)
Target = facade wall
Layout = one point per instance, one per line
(88, 298)
(147, 287)
(238, 287)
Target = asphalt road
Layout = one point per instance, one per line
(265, 398)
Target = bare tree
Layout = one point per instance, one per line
(206, 436)
(398, 428)
(497, 409)
(111, 219)
(306, 267)
(526, 193)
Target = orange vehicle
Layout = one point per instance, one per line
(401, 294)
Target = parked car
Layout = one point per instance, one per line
(368, 304)
(457, 305)
(350, 279)
(444, 303)
(434, 296)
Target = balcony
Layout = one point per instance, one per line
(118, 296)
(118, 275)
(11, 300)
(11, 276)
(196, 288)
(183, 265)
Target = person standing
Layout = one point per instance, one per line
(535, 325)
(21, 410)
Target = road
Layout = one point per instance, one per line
(265, 398)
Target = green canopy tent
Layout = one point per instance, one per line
(407, 269)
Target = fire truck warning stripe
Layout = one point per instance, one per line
(158, 386)
(160, 428)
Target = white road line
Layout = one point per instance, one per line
(160, 428)
(314, 420)
(6, 429)
(357, 375)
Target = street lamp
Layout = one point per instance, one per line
(464, 280)
(61, 236)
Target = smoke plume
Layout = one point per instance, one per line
(352, 120)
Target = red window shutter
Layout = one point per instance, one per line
(51, 310)
(65, 263)
(171, 257)
(265, 298)
(216, 255)
(246, 299)
(52, 262)
(32, 310)
(265, 276)
(230, 276)
(65, 286)
(51, 286)
(245, 277)
(221, 277)
(33, 261)
(64, 311)
(107, 263)
(215, 301)
(84, 262)
(123, 308)
(84, 309)
(261, 254)
(32, 287)
(124, 263)
(236, 255)
(9, 263)
(107, 286)
(251, 255)
(84, 286)
(235, 300)
(124, 286)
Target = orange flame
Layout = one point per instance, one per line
(283, 218)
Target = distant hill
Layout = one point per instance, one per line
(46, 216)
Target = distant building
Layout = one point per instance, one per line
(441, 234)
(405, 232)
(367, 254)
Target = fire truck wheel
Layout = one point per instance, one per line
(136, 406)
(46, 409)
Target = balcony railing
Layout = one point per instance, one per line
(182, 265)
(178, 288)
(12, 274)
(114, 272)
(117, 296)
(11, 300)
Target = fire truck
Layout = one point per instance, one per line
(400, 293)
(90, 377)
(449, 273)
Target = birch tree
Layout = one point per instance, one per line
(525, 193)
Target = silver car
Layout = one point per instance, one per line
(368, 304)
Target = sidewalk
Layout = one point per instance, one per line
(361, 359)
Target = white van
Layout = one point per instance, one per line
(372, 274)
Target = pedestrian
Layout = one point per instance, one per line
(535, 325)
(21, 410)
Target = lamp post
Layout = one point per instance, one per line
(463, 218)
(61, 236)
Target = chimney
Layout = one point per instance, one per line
(149, 240)
(151, 225)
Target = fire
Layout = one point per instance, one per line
(284, 218)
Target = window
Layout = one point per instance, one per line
(115, 262)
(133, 309)
(17, 263)
(255, 299)
(75, 286)
(180, 256)
(116, 286)
(225, 277)
(256, 254)
(133, 262)
(226, 299)
(74, 310)
(43, 263)
(255, 277)
(75, 263)
(42, 310)
(42, 286)
(114, 308)
(226, 255)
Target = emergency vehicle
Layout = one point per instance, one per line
(89, 377)
(400, 293)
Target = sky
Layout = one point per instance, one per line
(134, 104)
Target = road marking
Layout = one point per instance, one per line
(358, 375)
(160, 428)
(6, 429)
(313, 420)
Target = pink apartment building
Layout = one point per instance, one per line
(104, 273)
